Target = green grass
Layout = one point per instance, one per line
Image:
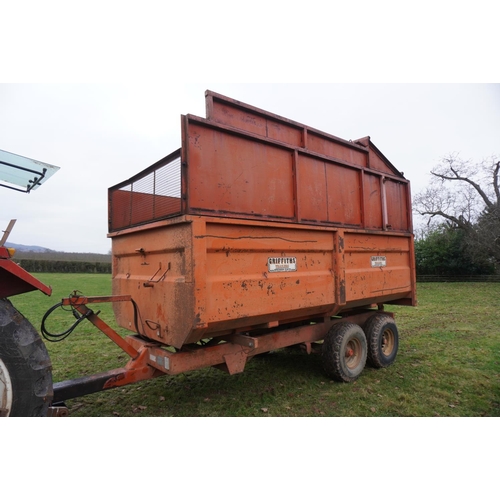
(448, 365)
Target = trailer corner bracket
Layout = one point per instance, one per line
(235, 362)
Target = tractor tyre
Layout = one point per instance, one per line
(344, 352)
(25, 369)
(383, 340)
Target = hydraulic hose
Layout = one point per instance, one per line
(57, 337)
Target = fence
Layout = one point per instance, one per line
(489, 278)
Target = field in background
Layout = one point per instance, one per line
(448, 364)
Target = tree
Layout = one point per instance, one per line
(466, 196)
(443, 251)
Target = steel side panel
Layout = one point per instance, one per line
(202, 277)
(238, 175)
(257, 121)
(319, 144)
(363, 281)
(396, 193)
(373, 202)
(312, 189)
(156, 268)
(344, 195)
(240, 285)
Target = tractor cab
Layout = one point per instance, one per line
(25, 175)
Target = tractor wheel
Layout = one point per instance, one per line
(383, 340)
(344, 352)
(25, 369)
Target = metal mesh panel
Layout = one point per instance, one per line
(152, 195)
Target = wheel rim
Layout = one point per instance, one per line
(5, 391)
(388, 341)
(353, 353)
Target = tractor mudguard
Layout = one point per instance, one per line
(14, 280)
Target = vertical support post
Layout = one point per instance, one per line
(362, 198)
(184, 165)
(199, 256)
(339, 267)
(295, 162)
(209, 105)
(304, 138)
(384, 203)
(409, 208)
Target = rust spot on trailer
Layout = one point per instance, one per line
(342, 295)
(341, 244)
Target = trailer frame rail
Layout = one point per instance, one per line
(150, 359)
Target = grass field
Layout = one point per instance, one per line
(448, 365)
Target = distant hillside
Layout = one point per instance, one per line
(26, 252)
(28, 248)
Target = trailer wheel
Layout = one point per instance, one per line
(25, 369)
(383, 340)
(344, 352)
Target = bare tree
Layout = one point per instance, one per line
(466, 195)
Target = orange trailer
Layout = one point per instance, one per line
(257, 234)
(256, 222)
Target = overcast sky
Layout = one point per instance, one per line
(102, 134)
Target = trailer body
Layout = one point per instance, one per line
(256, 222)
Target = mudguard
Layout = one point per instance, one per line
(14, 280)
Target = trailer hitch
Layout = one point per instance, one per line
(136, 369)
(79, 303)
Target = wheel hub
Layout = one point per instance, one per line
(5, 391)
(352, 353)
(387, 342)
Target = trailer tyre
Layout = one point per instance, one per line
(344, 352)
(25, 369)
(383, 340)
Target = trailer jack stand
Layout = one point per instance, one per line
(58, 410)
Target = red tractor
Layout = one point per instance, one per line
(25, 368)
